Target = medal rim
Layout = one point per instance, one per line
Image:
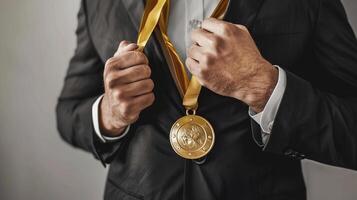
(205, 131)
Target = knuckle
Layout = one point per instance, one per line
(110, 62)
(113, 62)
(140, 57)
(204, 59)
(113, 79)
(123, 105)
(204, 71)
(136, 70)
(109, 80)
(146, 70)
(147, 85)
(115, 94)
(244, 28)
(119, 95)
(125, 108)
(216, 43)
(226, 29)
(151, 84)
(127, 112)
(207, 59)
(151, 98)
(133, 117)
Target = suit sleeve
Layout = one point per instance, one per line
(322, 124)
(82, 86)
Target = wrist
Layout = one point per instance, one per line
(106, 125)
(260, 86)
(269, 78)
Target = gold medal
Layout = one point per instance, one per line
(192, 137)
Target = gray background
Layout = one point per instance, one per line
(37, 40)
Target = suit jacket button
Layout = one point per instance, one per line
(301, 156)
(288, 152)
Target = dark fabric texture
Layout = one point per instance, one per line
(311, 39)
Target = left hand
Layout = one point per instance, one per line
(225, 59)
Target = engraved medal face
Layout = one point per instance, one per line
(192, 137)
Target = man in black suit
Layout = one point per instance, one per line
(315, 53)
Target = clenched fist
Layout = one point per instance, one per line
(128, 89)
(226, 60)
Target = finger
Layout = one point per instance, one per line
(193, 66)
(138, 88)
(125, 46)
(215, 26)
(128, 75)
(195, 52)
(143, 101)
(126, 60)
(202, 37)
(124, 43)
(242, 27)
(130, 47)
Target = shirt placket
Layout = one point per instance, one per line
(194, 18)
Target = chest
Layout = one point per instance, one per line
(280, 28)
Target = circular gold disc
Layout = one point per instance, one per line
(192, 137)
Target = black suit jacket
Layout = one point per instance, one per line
(311, 39)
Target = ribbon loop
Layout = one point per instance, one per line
(157, 13)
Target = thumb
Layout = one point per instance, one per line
(125, 46)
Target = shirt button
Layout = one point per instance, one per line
(194, 23)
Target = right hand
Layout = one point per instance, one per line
(128, 89)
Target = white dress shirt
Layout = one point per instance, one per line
(179, 32)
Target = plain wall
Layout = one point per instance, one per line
(36, 41)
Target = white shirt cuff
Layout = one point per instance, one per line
(266, 118)
(95, 115)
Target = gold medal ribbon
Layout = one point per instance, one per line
(157, 12)
(149, 20)
(190, 100)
